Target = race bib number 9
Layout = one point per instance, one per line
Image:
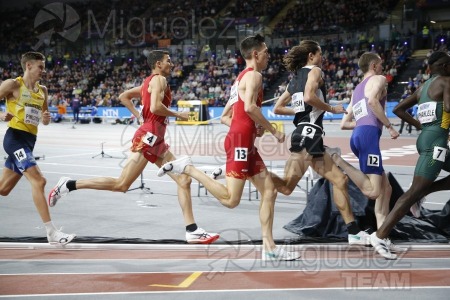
(298, 105)
(149, 139)
(439, 153)
(234, 93)
(360, 110)
(240, 154)
(309, 131)
(426, 112)
(32, 115)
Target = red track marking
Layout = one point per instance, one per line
(141, 282)
(318, 269)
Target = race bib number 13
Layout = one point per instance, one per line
(240, 154)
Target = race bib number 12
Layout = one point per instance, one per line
(373, 160)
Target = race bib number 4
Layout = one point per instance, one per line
(309, 131)
(149, 139)
(439, 153)
(240, 154)
(426, 112)
(298, 105)
(360, 110)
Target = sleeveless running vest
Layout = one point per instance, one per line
(431, 112)
(303, 111)
(361, 111)
(27, 108)
(240, 117)
(148, 116)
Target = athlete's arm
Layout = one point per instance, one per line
(401, 109)
(374, 91)
(126, 97)
(280, 106)
(310, 95)
(347, 120)
(227, 115)
(253, 83)
(7, 89)
(446, 94)
(46, 116)
(156, 88)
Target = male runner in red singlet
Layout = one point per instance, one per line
(148, 145)
(243, 114)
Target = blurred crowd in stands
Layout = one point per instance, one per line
(98, 77)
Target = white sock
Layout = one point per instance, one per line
(50, 227)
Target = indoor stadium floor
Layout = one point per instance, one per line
(131, 245)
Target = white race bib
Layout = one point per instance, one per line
(240, 154)
(32, 115)
(309, 131)
(360, 110)
(426, 112)
(234, 95)
(20, 154)
(149, 139)
(297, 102)
(439, 153)
(373, 160)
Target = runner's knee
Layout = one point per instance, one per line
(340, 181)
(232, 203)
(4, 191)
(39, 182)
(285, 190)
(120, 186)
(184, 181)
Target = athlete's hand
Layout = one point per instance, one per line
(394, 134)
(6, 117)
(338, 109)
(259, 130)
(183, 116)
(46, 117)
(280, 136)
